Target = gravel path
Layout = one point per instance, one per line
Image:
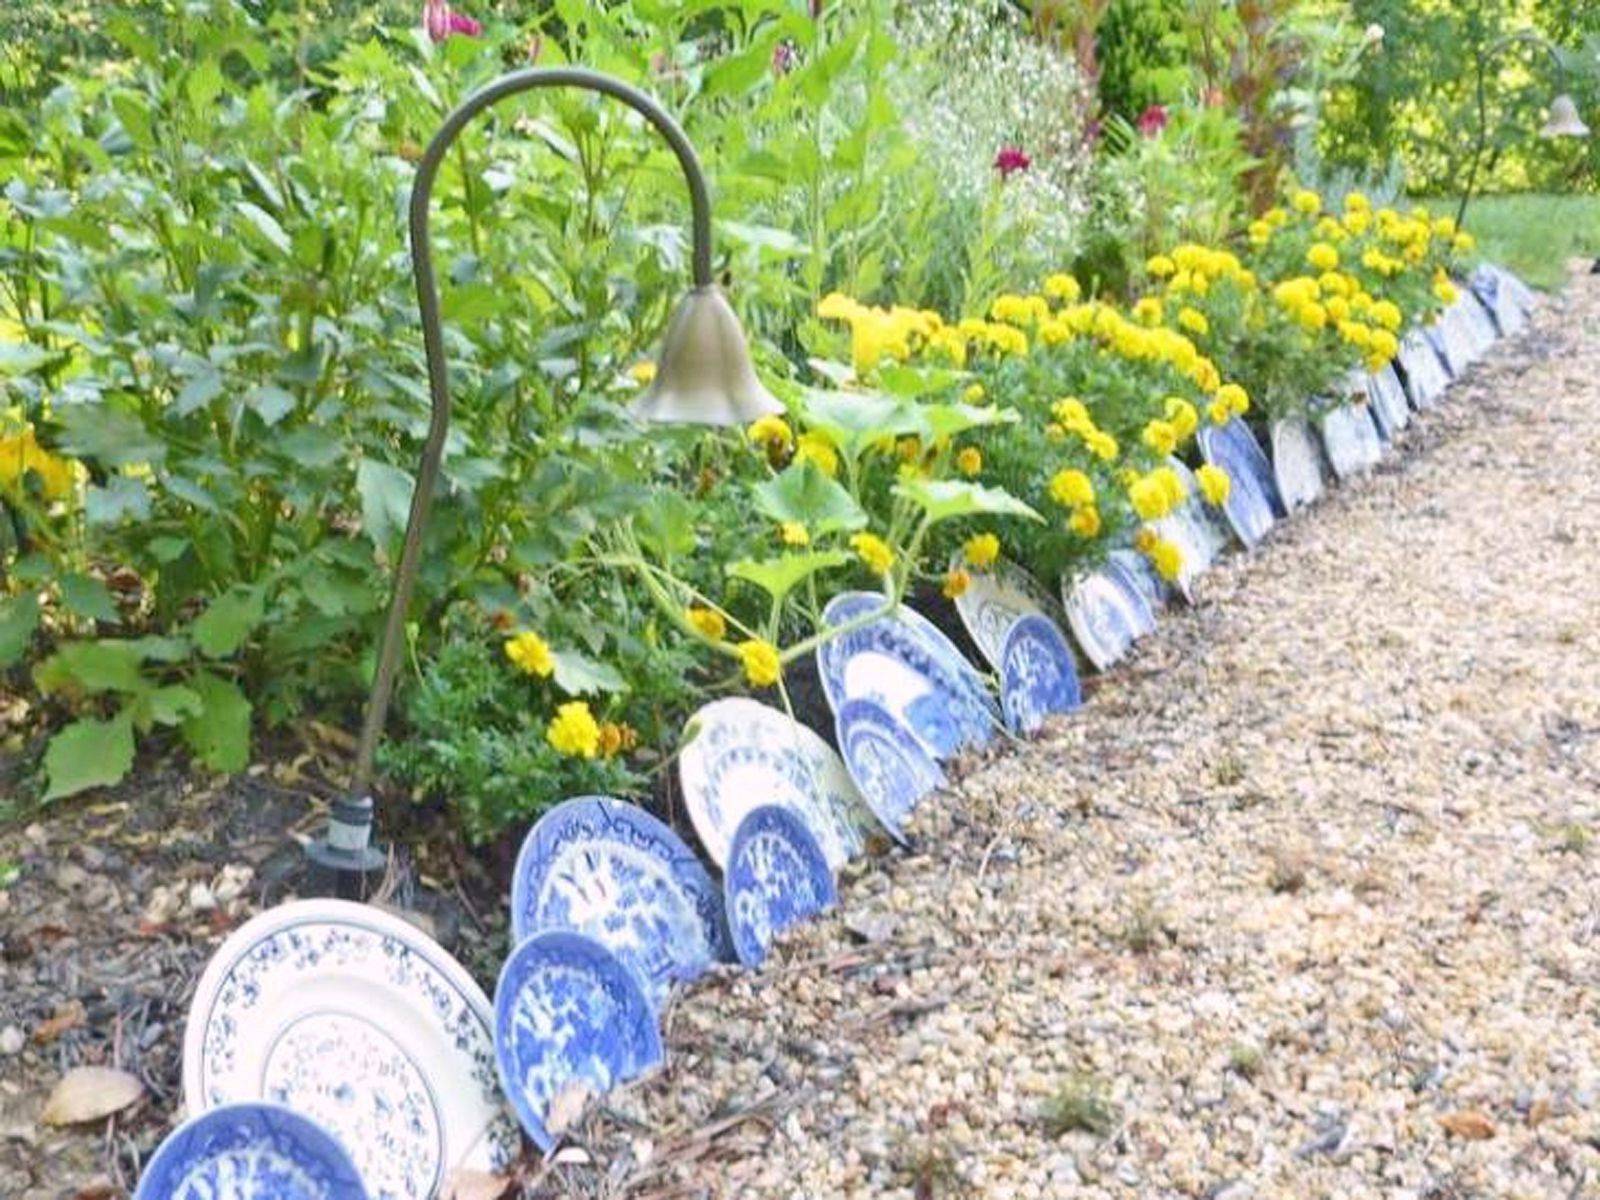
(1303, 905)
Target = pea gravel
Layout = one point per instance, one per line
(1303, 904)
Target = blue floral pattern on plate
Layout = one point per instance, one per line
(605, 868)
(1248, 452)
(994, 600)
(1038, 674)
(776, 878)
(905, 665)
(1388, 402)
(1297, 462)
(1133, 570)
(250, 1152)
(359, 1021)
(1250, 507)
(570, 1021)
(1350, 438)
(887, 763)
(1425, 376)
(739, 754)
(1106, 617)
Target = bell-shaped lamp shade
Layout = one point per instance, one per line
(1564, 120)
(704, 376)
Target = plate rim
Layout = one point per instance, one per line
(814, 854)
(903, 737)
(354, 1188)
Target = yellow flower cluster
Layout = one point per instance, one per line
(573, 731)
(1230, 401)
(771, 433)
(708, 622)
(898, 333)
(981, 550)
(1072, 417)
(1215, 484)
(1337, 299)
(873, 551)
(1164, 555)
(1156, 493)
(814, 447)
(530, 654)
(21, 455)
(762, 667)
(1193, 269)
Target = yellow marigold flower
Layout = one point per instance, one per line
(643, 372)
(1338, 308)
(981, 550)
(1260, 233)
(1183, 418)
(1387, 314)
(530, 653)
(1215, 484)
(1444, 227)
(760, 660)
(1160, 266)
(838, 307)
(869, 342)
(1219, 413)
(975, 393)
(616, 737)
(1071, 488)
(794, 533)
(1276, 217)
(969, 461)
(1235, 397)
(956, 583)
(1073, 413)
(708, 621)
(573, 730)
(1101, 444)
(1323, 256)
(1148, 311)
(1463, 243)
(873, 551)
(1357, 223)
(770, 431)
(1149, 498)
(1445, 291)
(1357, 202)
(1193, 320)
(1172, 485)
(1062, 287)
(1085, 521)
(1306, 202)
(1166, 557)
(1312, 316)
(1160, 437)
(816, 448)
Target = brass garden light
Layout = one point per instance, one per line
(704, 376)
(1563, 121)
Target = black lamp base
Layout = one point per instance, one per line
(345, 847)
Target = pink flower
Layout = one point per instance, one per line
(783, 58)
(1152, 121)
(441, 21)
(1010, 160)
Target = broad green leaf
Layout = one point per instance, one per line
(87, 597)
(779, 576)
(904, 380)
(88, 754)
(121, 497)
(165, 706)
(951, 420)
(228, 620)
(19, 617)
(385, 501)
(666, 524)
(803, 493)
(579, 675)
(161, 649)
(219, 734)
(19, 358)
(265, 224)
(270, 402)
(943, 499)
(88, 668)
(198, 392)
(110, 436)
(854, 420)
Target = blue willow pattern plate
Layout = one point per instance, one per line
(608, 869)
(1199, 528)
(1297, 462)
(1351, 440)
(739, 753)
(1388, 401)
(1425, 376)
(1038, 675)
(888, 764)
(1106, 617)
(776, 878)
(250, 1152)
(1250, 453)
(359, 1021)
(569, 1020)
(1249, 507)
(1133, 570)
(994, 600)
(905, 665)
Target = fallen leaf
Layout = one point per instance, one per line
(567, 1105)
(1469, 1123)
(69, 1016)
(466, 1184)
(90, 1093)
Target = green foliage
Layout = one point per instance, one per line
(1143, 52)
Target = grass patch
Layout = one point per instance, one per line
(1533, 234)
(1080, 1105)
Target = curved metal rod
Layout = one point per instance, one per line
(1496, 48)
(433, 339)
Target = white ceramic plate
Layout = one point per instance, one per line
(1297, 463)
(1351, 440)
(995, 599)
(361, 1022)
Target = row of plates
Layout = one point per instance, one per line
(334, 1051)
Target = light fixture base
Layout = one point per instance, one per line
(345, 846)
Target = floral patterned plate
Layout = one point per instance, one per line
(776, 878)
(570, 1021)
(1350, 439)
(1387, 399)
(1425, 375)
(1133, 570)
(359, 1021)
(1248, 453)
(993, 602)
(739, 754)
(608, 869)
(250, 1152)
(1251, 505)
(1297, 462)
(1038, 675)
(887, 763)
(1106, 616)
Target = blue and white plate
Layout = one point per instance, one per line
(1425, 377)
(888, 764)
(739, 754)
(907, 667)
(1449, 342)
(1388, 400)
(1106, 617)
(250, 1152)
(361, 1022)
(1248, 451)
(570, 1022)
(1350, 439)
(1199, 529)
(1477, 324)
(1134, 570)
(776, 878)
(1251, 506)
(608, 869)
(995, 599)
(1297, 462)
(1038, 675)
(1508, 299)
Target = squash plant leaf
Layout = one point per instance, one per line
(779, 576)
(804, 494)
(943, 499)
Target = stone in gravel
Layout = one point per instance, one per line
(90, 1093)
(12, 1040)
(201, 898)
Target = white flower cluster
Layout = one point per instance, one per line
(971, 78)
